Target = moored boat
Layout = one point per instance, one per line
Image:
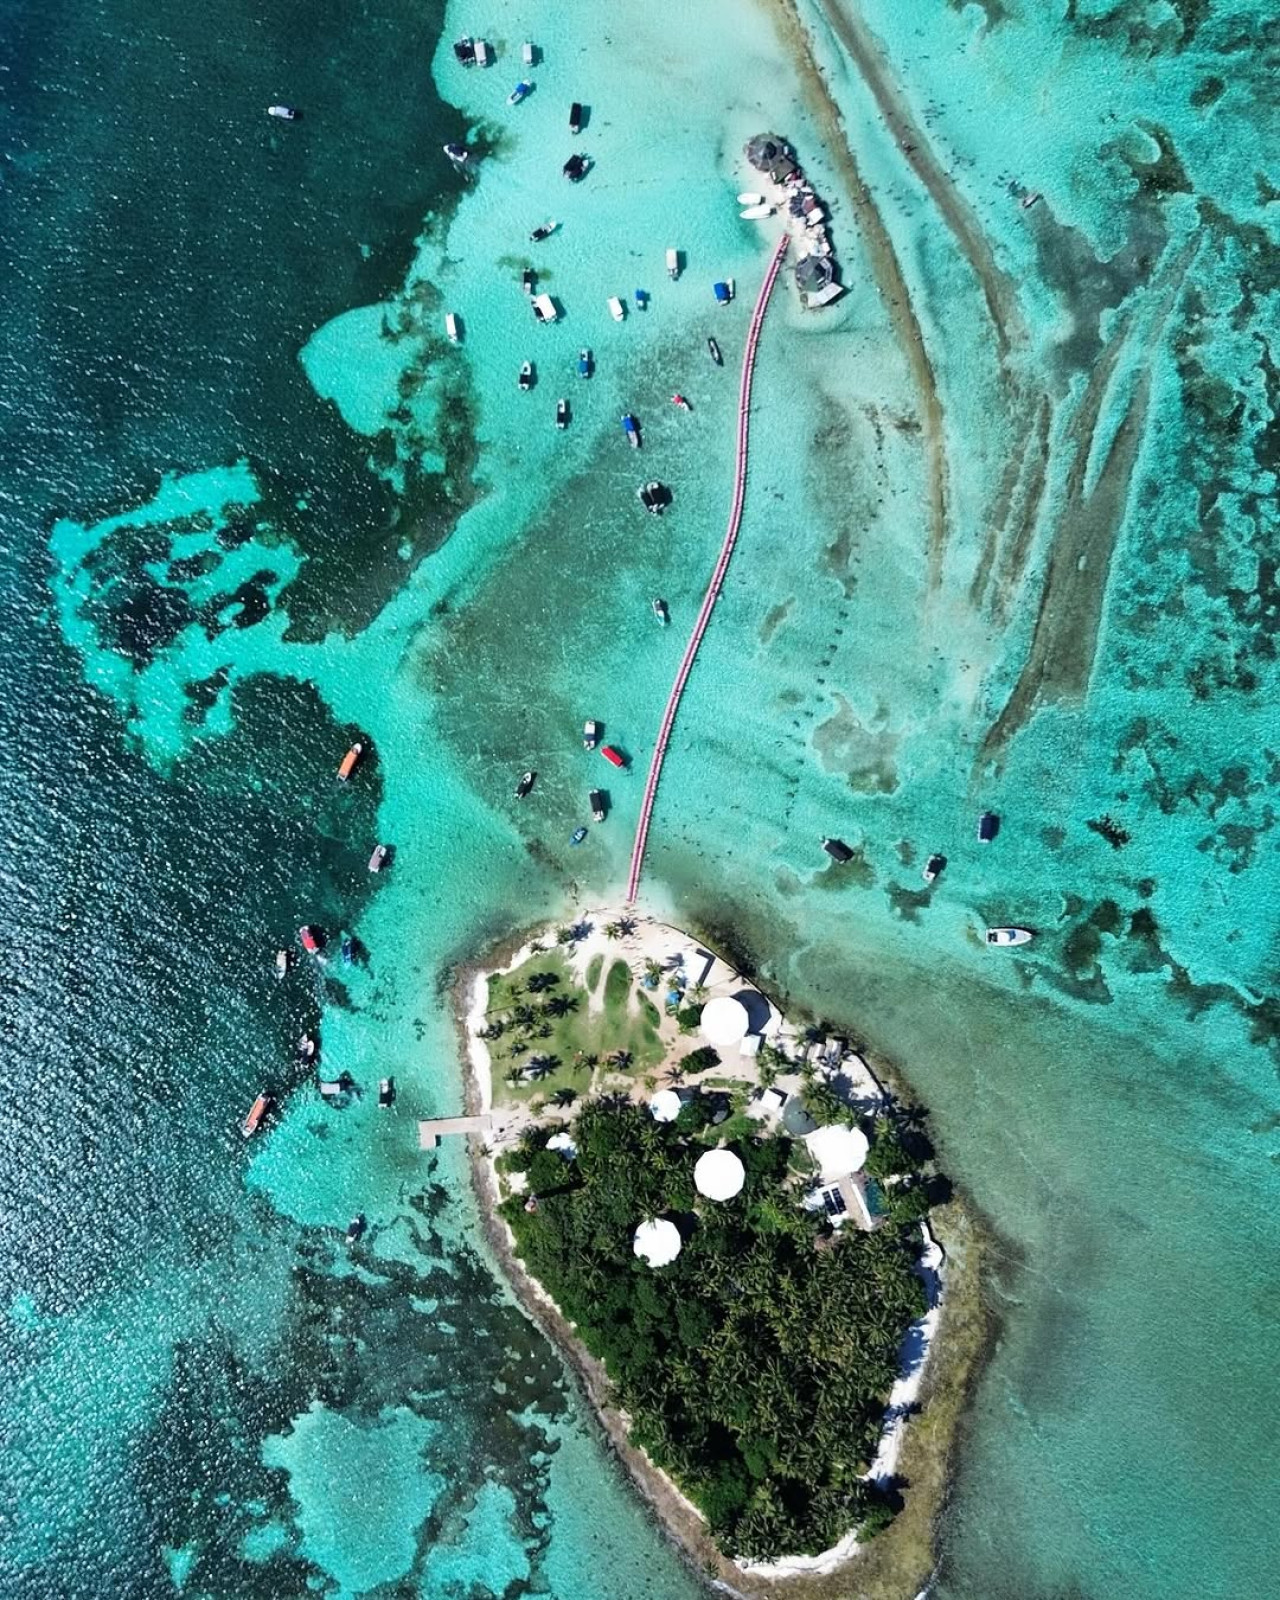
(482, 53)
(584, 363)
(464, 50)
(756, 213)
(311, 938)
(575, 118)
(576, 168)
(525, 379)
(520, 92)
(348, 948)
(655, 497)
(528, 53)
(526, 783)
(283, 113)
(614, 757)
(349, 760)
(673, 264)
(723, 291)
(544, 308)
(282, 963)
(590, 734)
(562, 413)
(356, 1228)
(1005, 937)
(679, 400)
(307, 1047)
(332, 1088)
(458, 154)
(750, 198)
(616, 308)
(379, 857)
(451, 327)
(257, 1111)
(577, 836)
(598, 803)
(528, 280)
(543, 231)
(386, 1092)
(642, 299)
(932, 867)
(837, 849)
(713, 350)
(988, 826)
(632, 430)
(660, 611)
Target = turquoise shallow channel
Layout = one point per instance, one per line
(1009, 543)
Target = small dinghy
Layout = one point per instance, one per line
(679, 400)
(616, 308)
(673, 264)
(283, 959)
(378, 859)
(525, 379)
(283, 113)
(660, 611)
(543, 231)
(750, 198)
(1005, 937)
(577, 836)
(525, 784)
(562, 413)
(632, 430)
(576, 168)
(590, 734)
(642, 299)
(575, 118)
(584, 363)
(451, 328)
(756, 213)
(713, 350)
(598, 804)
(521, 91)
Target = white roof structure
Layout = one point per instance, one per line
(665, 1106)
(563, 1142)
(838, 1151)
(718, 1175)
(657, 1242)
(724, 1021)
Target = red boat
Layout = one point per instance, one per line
(310, 938)
(610, 754)
(257, 1111)
(349, 761)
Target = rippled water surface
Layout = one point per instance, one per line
(1009, 542)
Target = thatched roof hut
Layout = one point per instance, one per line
(770, 152)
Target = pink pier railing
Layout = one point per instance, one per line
(717, 577)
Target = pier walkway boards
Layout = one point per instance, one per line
(717, 577)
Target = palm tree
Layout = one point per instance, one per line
(612, 930)
(698, 992)
(621, 1059)
(627, 926)
(515, 1076)
(564, 1097)
(675, 1073)
(652, 972)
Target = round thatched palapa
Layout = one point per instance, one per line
(665, 1106)
(657, 1242)
(724, 1021)
(718, 1175)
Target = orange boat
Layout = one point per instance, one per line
(257, 1111)
(349, 761)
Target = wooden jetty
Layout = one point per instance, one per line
(430, 1133)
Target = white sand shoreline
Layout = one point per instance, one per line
(654, 940)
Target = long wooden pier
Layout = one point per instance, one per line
(717, 577)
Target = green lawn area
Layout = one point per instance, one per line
(623, 1024)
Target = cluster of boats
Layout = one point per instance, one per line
(314, 942)
(988, 827)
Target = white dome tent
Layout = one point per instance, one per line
(665, 1105)
(719, 1175)
(724, 1022)
(657, 1241)
(837, 1150)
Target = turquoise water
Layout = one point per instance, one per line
(1033, 574)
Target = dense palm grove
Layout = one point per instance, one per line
(755, 1366)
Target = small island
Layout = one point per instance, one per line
(727, 1214)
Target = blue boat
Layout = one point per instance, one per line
(632, 430)
(642, 299)
(518, 93)
(722, 292)
(348, 950)
(584, 363)
(579, 834)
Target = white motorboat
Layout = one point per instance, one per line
(750, 198)
(755, 213)
(932, 867)
(673, 264)
(451, 328)
(1005, 937)
(482, 53)
(283, 113)
(528, 53)
(616, 308)
(544, 308)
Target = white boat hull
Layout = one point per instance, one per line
(755, 213)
